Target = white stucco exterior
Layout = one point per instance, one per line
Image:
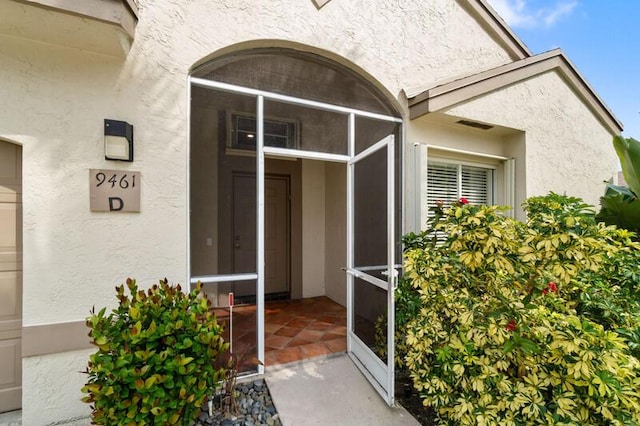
(57, 380)
(313, 228)
(53, 99)
(569, 154)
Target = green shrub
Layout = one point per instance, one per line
(513, 326)
(156, 358)
(407, 305)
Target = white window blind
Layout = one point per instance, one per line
(476, 184)
(448, 182)
(442, 184)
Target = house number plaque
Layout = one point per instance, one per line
(114, 190)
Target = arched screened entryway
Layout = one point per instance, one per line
(294, 179)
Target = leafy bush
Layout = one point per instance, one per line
(407, 305)
(514, 325)
(156, 357)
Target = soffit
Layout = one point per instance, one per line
(102, 26)
(452, 121)
(446, 95)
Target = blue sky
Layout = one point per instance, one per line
(600, 37)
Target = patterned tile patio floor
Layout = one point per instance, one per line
(294, 329)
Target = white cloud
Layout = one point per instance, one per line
(512, 11)
(521, 14)
(561, 9)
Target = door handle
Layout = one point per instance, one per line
(394, 277)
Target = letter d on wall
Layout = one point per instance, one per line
(115, 204)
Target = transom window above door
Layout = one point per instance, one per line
(279, 133)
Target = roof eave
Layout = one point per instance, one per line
(496, 27)
(447, 95)
(120, 13)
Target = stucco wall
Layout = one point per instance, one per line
(336, 231)
(53, 101)
(567, 149)
(313, 227)
(401, 44)
(54, 389)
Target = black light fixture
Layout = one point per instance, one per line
(118, 140)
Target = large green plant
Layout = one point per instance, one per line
(628, 150)
(156, 358)
(620, 205)
(509, 331)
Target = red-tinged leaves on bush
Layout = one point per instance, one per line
(148, 369)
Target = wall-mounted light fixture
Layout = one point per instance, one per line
(118, 140)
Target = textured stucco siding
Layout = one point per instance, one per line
(54, 389)
(54, 102)
(567, 149)
(400, 44)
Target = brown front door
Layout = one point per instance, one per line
(10, 276)
(276, 194)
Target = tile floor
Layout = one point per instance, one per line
(294, 330)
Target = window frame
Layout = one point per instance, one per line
(492, 184)
(504, 176)
(234, 147)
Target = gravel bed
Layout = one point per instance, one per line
(255, 408)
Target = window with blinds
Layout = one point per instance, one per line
(448, 182)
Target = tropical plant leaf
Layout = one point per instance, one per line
(628, 151)
(620, 207)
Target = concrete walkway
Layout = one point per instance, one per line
(330, 391)
(327, 391)
(12, 418)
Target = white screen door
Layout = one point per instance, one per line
(371, 239)
(370, 264)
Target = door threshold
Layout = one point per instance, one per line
(268, 297)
